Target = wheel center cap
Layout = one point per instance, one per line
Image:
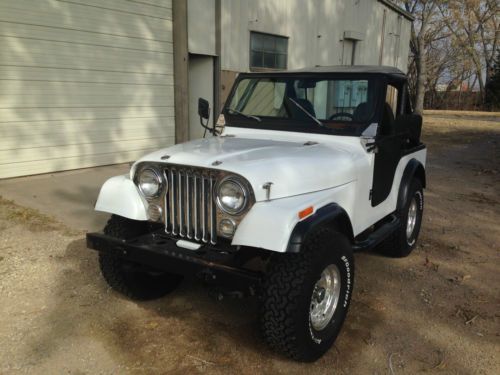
(320, 295)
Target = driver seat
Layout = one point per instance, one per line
(362, 112)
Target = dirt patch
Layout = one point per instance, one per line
(476, 115)
(436, 311)
(32, 219)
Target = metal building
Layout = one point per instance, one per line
(94, 82)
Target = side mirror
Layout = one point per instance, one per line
(203, 109)
(409, 125)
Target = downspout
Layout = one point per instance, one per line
(398, 40)
(181, 70)
(382, 38)
(217, 60)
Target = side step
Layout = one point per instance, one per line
(378, 235)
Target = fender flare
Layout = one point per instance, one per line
(331, 213)
(414, 169)
(120, 196)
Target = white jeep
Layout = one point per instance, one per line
(309, 166)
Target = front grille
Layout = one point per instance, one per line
(190, 210)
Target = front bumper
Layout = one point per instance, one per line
(159, 251)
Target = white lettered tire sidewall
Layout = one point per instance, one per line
(288, 288)
(344, 263)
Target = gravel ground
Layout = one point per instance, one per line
(436, 311)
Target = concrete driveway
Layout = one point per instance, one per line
(67, 196)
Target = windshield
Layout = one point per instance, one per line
(302, 104)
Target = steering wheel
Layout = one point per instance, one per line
(341, 114)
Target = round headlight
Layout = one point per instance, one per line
(149, 182)
(232, 196)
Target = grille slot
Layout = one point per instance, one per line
(189, 204)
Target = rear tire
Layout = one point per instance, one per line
(290, 297)
(130, 279)
(402, 242)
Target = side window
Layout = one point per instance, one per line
(391, 98)
(268, 51)
(347, 95)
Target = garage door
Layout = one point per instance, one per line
(83, 83)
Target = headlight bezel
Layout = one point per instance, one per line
(159, 179)
(244, 189)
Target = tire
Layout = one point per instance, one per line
(400, 243)
(130, 279)
(289, 291)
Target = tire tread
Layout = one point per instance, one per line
(281, 296)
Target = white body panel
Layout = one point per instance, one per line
(120, 196)
(335, 170)
(271, 156)
(268, 224)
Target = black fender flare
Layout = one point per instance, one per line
(331, 213)
(414, 169)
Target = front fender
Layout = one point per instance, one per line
(120, 196)
(269, 224)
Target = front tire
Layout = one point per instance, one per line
(296, 318)
(402, 242)
(130, 279)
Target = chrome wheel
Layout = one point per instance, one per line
(412, 218)
(325, 297)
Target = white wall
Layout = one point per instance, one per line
(201, 27)
(315, 29)
(201, 69)
(82, 84)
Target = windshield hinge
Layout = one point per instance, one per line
(369, 144)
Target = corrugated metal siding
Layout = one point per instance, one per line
(83, 83)
(315, 30)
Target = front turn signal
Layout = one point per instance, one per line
(306, 212)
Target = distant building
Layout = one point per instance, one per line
(86, 83)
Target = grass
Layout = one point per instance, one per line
(33, 219)
(461, 113)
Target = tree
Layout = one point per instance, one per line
(424, 30)
(474, 24)
(493, 86)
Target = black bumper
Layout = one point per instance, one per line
(161, 252)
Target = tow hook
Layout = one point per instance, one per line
(219, 293)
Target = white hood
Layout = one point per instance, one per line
(292, 167)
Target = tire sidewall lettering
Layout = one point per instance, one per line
(343, 303)
(349, 282)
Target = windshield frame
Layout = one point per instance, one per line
(301, 126)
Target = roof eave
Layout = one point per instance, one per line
(397, 9)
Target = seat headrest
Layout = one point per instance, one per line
(362, 112)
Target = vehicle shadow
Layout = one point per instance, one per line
(186, 331)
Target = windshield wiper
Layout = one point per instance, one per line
(306, 112)
(235, 111)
